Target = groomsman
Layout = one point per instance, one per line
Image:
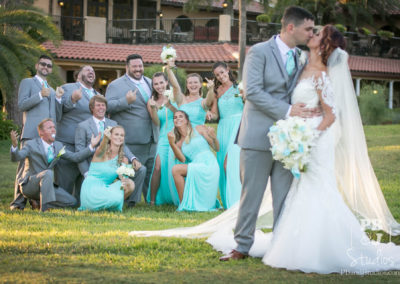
(41, 167)
(36, 100)
(75, 110)
(95, 125)
(127, 99)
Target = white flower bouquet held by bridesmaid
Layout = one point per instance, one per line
(291, 142)
(125, 171)
(170, 95)
(168, 52)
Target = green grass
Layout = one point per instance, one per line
(71, 246)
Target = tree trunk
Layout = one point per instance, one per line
(10, 107)
(242, 36)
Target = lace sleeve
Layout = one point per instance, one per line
(323, 84)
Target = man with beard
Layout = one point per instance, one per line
(127, 99)
(75, 110)
(37, 100)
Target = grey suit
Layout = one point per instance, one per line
(72, 115)
(83, 135)
(34, 110)
(268, 89)
(141, 133)
(38, 178)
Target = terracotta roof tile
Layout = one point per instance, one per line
(191, 53)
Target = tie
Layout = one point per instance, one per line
(290, 62)
(90, 93)
(50, 154)
(45, 84)
(142, 92)
(101, 128)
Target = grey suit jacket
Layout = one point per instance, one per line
(268, 89)
(83, 136)
(36, 158)
(72, 114)
(35, 109)
(135, 118)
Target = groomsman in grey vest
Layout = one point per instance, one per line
(95, 125)
(127, 99)
(37, 100)
(75, 110)
(39, 178)
(270, 73)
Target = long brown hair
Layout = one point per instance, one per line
(231, 77)
(154, 94)
(330, 40)
(105, 146)
(200, 80)
(178, 135)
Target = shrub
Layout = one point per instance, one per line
(179, 73)
(263, 18)
(341, 28)
(385, 34)
(372, 102)
(6, 126)
(364, 31)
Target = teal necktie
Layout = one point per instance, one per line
(101, 128)
(50, 154)
(90, 93)
(290, 62)
(142, 92)
(45, 84)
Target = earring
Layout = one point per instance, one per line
(319, 52)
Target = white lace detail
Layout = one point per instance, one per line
(323, 84)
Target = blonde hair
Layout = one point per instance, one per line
(105, 146)
(189, 135)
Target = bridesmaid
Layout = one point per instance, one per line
(193, 104)
(162, 112)
(197, 181)
(230, 108)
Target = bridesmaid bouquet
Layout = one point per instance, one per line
(240, 88)
(168, 52)
(291, 140)
(170, 95)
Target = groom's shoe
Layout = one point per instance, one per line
(233, 255)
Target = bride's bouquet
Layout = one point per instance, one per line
(291, 141)
(167, 53)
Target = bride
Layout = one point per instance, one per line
(318, 230)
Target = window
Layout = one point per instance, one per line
(98, 8)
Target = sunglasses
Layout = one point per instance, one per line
(45, 65)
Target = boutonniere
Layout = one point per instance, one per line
(61, 152)
(302, 57)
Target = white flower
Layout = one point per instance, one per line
(170, 95)
(167, 53)
(302, 58)
(61, 152)
(125, 170)
(107, 132)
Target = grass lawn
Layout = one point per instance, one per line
(71, 246)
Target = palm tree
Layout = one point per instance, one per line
(22, 30)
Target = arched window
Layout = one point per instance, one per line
(184, 23)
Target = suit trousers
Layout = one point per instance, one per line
(145, 153)
(255, 169)
(40, 186)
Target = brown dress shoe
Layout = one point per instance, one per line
(233, 255)
(34, 204)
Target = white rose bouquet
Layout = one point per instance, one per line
(170, 95)
(167, 53)
(126, 171)
(291, 142)
(241, 90)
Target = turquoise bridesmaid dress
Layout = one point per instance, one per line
(230, 107)
(99, 191)
(166, 117)
(197, 116)
(201, 183)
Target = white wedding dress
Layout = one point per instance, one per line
(319, 227)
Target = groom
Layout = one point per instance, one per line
(270, 73)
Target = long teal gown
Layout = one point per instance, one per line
(197, 116)
(99, 191)
(230, 107)
(166, 117)
(201, 183)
